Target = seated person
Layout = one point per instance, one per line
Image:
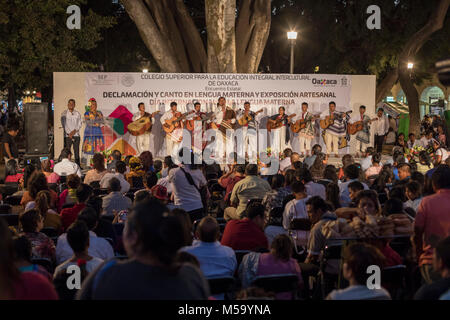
(247, 233)
(353, 188)
(69, 195)
(98, 247)
(376, 167)
(11, 174)
(120, 168)
(274, 226)
(23, 253)
(42, 205)
(98, 170)
(414, 195)
(78, 238)
(66, 166)
(42, 246)
(46, 166)
(136, 175)
(216, 260)
(357, 258)
(69, 215)
(36, 183)
(296, 209)
(115, 200)
(441, 263)
(278, 261)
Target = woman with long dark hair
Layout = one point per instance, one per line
(98, 170)
(318, 167)
(11, 174)
(152, 239)
(332, 192)
(36, 183)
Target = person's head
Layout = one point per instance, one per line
(135, 164)
(89, 216)
(197, 106)
(27, 173)
(43, 202)
(392, 206)
(316, 207)
(398, 192)
(276, 217)
(441, 257)
(282, 247)
(114, 185)
(376, 158)
(304, 107)
(146, 158)
(287, 152)
(11, 168)
(419, 177)
(413, 190)
(121, 167)
(429, 134)
(380, 112)
(369, 151)
(281, 110)
(31, 221)
(436, 144)
(303, 175)
(157, 165)
(440, 129)
(185, 220)
(251, 169)
(255, 212)
(295, 157)
(297, 165)
(46, 165)
(316, 149)
(65, 154)
(71, 105)
(330, 173)
(160, 192)
(277, 181)
(22, 248)
(150, 179)
(247, 106)
(78, 237)
(157, 236)
(351, 172)
(347, 160)
(73, 181)
(357, 258)
(99, 162)
(353, 188)
(298, 189)
(93, 104)
(332, 194)
(173, 106)
(412, 137)
(362, 109)
(37, 182)
(440, 178)
(289, 177)
(222, 101)
(13, 129)
(318, 166)
(367, 202)
(141, 107)
(239, 169)
(116, 155)
(84, 192)
(208, 229)
(404, 171)
(332, 106)
(401, 137)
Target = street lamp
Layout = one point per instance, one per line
(145, 70)
(410, 65)
(292, 36)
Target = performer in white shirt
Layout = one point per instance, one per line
(174, 138)
(306, 134)
(143, 140)
(224, 120)
(71, 123)
(196, 124)
(381, 129)
(334, 132)
(249, 124)
(412, 142)
(363, 136)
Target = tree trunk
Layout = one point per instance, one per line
(386, 84)
(412, 47)
(220, 25)
(252, 31)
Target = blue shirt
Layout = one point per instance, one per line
(215, 259)
(344, 193)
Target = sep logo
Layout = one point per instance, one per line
(324, 82)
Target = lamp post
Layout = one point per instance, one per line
(292, 36)
(145, 70)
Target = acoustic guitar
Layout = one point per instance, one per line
(329, 120)
(190, 124)
(246, 118)
(357, 126)
(275, 124)
(141, 125)
(301, 124)
(173, 123)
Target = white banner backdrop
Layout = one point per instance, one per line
(268, 91)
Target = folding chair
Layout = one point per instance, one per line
(11, 219)
(225, 285)
(393, 279)
(5, 209)
(240, 255)
(100, 192)
(295, 225)
(278, 283)
(330, 252)
(13, 200)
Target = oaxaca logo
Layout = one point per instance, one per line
(127, 80)
(324, 82)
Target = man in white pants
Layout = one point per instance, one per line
(143, 140)
(249, 134)
(224, 119)
(174, 138)
(335, 131)
(305, 135)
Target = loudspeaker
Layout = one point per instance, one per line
(36, 128)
